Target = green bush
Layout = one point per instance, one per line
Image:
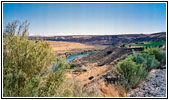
(157, 52)
(163, 60)
(147, 61)
(132, 70)
(24, 62)
(130, 74)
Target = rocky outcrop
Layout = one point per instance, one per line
(154, 86)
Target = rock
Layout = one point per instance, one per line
(110, 79)
(91, 77)
(153, 86)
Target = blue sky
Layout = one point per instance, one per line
(88, 18)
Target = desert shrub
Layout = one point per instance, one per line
(157, 52)
(147, 61)
(163, 59)
(24, 62)
(130, 74)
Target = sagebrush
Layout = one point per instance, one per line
(27, 64)
(158, 53)
(130, 74)
(147, 61)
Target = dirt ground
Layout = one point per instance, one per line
(104, 89)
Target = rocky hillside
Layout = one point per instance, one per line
(109, 55)
(106, 39)
(154, 86)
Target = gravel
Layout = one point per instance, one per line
(153, 86)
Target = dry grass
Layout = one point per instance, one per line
(110, 90)
(61, 47)
(104, 89)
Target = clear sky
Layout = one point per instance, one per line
(88, 18)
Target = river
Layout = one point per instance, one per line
(70, 58)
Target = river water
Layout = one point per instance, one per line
(70, 58)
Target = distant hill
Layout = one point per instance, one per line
(151, 37)
(105, 39)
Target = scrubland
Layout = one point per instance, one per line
(108, 72)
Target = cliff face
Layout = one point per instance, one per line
(106, 39)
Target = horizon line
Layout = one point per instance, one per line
(101, 34)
